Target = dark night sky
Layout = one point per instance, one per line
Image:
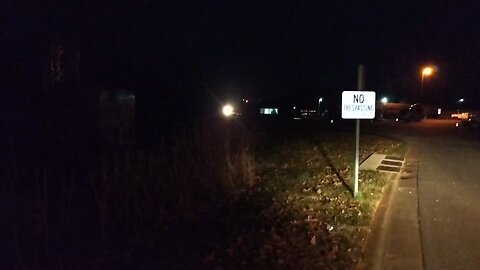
(257, 48)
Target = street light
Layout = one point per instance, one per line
(319, 103)
(426, 72)
(227, 110)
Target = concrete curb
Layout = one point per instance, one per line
(376, 244)
(394, 241)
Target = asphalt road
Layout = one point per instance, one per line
(448, 189)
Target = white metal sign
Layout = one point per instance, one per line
(358, 104)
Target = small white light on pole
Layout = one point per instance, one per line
(319, 103)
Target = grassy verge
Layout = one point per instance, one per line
(302, 215)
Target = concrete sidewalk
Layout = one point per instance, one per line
(394, 242)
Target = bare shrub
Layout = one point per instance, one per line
(138, 189)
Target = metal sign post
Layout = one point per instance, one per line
(358, 105)
(360, 87)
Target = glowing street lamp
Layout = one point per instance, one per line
(426, 72)
(320, 100)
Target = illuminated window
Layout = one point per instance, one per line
(268, 110)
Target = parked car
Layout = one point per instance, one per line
(473, 121)
(413, 113)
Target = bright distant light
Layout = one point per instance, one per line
(227, 110)
(384, 100)
(396, 119)
(427, 71)
(439, 111)
(461, 100)
(456, 124)
(331, 121)
(246, 100)
(320, 99)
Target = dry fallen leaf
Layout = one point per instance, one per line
(313, 241)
